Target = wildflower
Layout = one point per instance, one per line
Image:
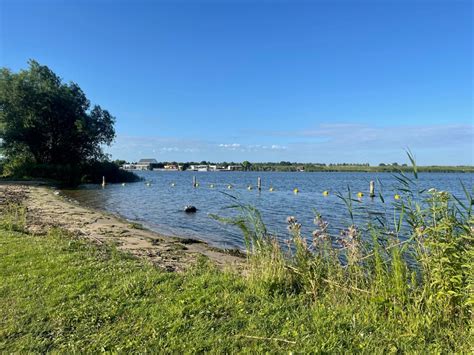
(293, 225)
(320, 222)
(349, 237)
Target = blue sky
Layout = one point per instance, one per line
(312, 81)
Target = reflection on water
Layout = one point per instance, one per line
(159, 203)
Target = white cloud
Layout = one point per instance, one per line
(232, 146)
(450, 144)
(278, 147)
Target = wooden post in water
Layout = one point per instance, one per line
(259, 183)
(372, 189)
(103, 181)
(194, 181)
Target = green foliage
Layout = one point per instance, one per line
(93, 172)
(120, 162)
(21, 164)
(403, 286)
(246, 165)
(50, 119)
(49, 129)
(13, 217)
(60, 294)
(416, 271)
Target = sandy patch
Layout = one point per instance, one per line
(47, 208)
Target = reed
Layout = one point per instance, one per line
(13, 217)
(402, 283)
(414, 268)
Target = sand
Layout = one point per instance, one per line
(46, 207)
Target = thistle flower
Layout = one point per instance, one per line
(293, 225)
(349, 238)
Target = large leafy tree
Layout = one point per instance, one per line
(51, 121)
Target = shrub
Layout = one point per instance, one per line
(93, 172)
(66, 174)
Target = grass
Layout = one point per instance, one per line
(62, 294)
(372, 293)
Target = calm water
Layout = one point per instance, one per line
(160, 205)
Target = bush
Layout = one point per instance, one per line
(19, 166)
(93, 173)
(24, 167)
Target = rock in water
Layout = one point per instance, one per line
(190, 209)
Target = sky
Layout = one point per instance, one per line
(309, 81)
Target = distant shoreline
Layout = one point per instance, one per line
(349, 169)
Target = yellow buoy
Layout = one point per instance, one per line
(326, 193)
(123, 184)
(271, 189)
(296, 190)
(211, 186)
(148, 184)
(249, 187)
(197, 184)
(229, 186)
(396, 197)
(360, 195)
(173, 184)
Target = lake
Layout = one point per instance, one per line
(159, 206)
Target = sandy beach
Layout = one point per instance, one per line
(47, 208)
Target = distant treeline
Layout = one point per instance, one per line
(313, 167)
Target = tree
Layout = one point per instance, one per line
(120, 162)
(47, 121)
(246, 165)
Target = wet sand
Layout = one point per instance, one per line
(46, 208)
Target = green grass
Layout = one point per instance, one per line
(58, 293)
(401, 286)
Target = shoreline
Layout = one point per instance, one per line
(47, 208)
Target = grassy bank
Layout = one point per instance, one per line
(402, 283)
(62, 294)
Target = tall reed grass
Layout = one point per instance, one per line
(13, 217)
(415, 268)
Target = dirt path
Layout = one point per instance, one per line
(47, 208)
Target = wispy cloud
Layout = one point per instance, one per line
(232, 146)
(434, 144)
(394, 137)
(251, 147)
